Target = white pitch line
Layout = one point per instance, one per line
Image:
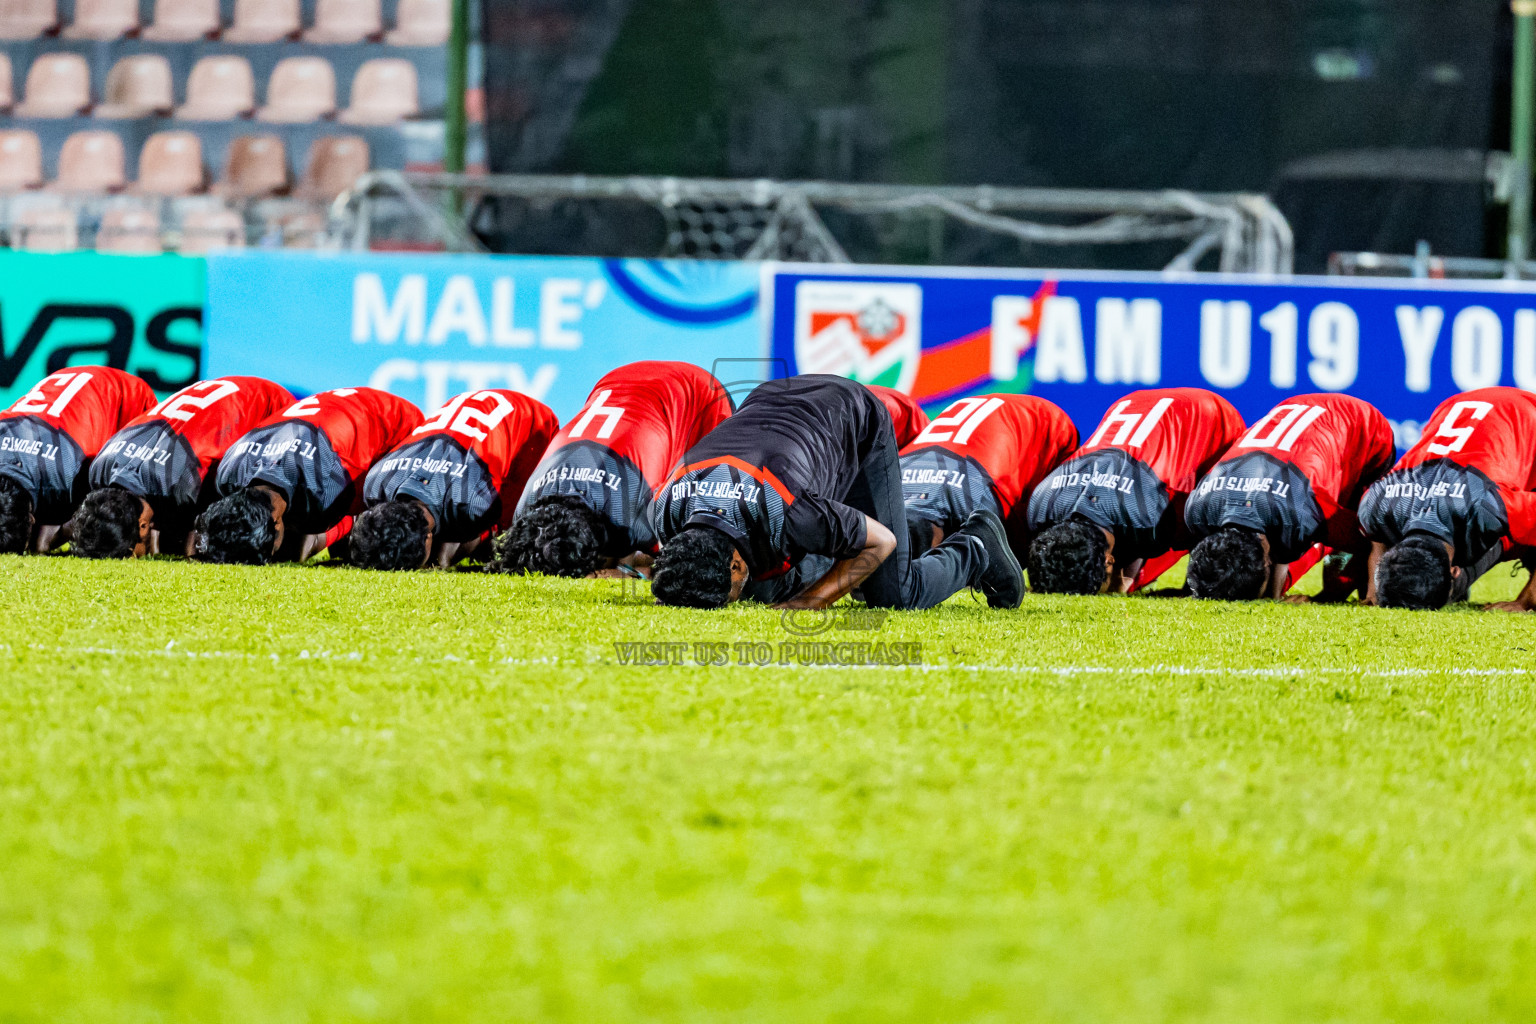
(172, 650)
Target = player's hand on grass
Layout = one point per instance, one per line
(1505, 606)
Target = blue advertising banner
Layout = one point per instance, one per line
(1084, 340)
(429, 327)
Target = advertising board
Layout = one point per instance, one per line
(430, 327)
(1083, 340)
(143, 314)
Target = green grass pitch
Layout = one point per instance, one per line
(315, 795)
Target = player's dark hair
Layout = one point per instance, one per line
(1415, 574)
(15, 517)
(919, 535)
(107, 524)
(694, 569)
(1229, 565)
(559, 536)
(238, 529)
(390, 536)
(1069, 559)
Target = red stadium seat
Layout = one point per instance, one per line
(103, 19)
(346, 21)
(27, 19)
(129, 229)
(335, 162)
(171, 164)
(58, 85)
(46, 229)
(383, 92)
(203, 230)
(91, 162)
(263, 21)
(219, 88)
(420, 23)
(257, 166)
(137, 86)
(21, 160)
(301, 89)
(183, 21)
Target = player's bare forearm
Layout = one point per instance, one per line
(846, 574)
(1279, 575)
(1377, 550)
(1124, 577)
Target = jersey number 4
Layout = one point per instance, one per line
(611, 415)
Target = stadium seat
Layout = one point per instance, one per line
(205, 229)
(171, 164)
(257, 166)
(21, 160)
(103, 19)
(46, 229)
(7, 93)
(263, 21)
(137, 86)
(27, 19)
(58, 85)
(91, 162)
(346, 21)
(300, 89)
(420, 23)
(335, 162)
(219, 88)
(183, 21)
(129, 229)
(383, 92)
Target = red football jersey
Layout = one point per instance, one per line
(165, 455)
(635, 427)
(88, 403)
(1490, 432)
(49, 436)
(1178, 433)
(1017, 439)
(214, 414)
(1339, 445)
(361, 423)
(317, 451)
(1137, 469)
(907, 417)
(469, 462)
(649, 413)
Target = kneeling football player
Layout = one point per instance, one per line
(457, 477)
(154, 476)
(48, 438)
(1292, 483)
(987, 451)
(806, 473)
(289, 486)
(1119, 501)
(1462, 500)
(587, 507)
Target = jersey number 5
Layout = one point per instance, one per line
(1448, 427)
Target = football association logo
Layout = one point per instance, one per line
(871, 332)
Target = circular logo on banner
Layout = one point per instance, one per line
(698, 293)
